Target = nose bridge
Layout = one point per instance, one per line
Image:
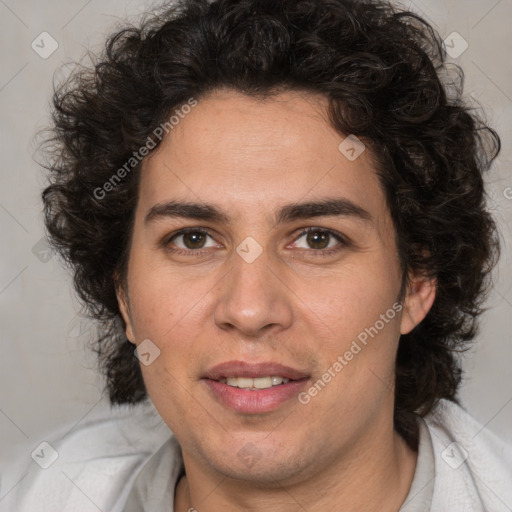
(252, 297)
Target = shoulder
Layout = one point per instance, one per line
(90, 466)
(473, 466)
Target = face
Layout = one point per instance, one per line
(261, 250)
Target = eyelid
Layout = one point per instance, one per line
(205, 231)
(343, 241)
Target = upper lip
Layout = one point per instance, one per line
(253, 370)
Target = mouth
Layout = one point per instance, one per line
(250, 388)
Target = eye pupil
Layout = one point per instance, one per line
(315, 237)
(193, 240)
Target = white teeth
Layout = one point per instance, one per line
(254, 384)
(264, 382)
(244, 382)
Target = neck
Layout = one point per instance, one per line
(375, 477)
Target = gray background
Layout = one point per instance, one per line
(48, 376)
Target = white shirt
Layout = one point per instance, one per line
(131, 462)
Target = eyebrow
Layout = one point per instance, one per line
(294, 211)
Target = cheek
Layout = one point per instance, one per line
(357, 358)
(172, 394)
(354, 297)
(361, 319)
(166, 311)
(163, 300)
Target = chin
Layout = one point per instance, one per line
(259, 463)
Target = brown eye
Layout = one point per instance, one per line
(320, 241)
(191, 240)
(194, 240)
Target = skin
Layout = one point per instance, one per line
(249, 157)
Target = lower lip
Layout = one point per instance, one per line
(259, 401)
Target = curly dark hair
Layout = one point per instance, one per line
(385, 75)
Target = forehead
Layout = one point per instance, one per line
(252, 154)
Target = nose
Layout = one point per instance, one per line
(253, 299)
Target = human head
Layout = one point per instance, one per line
(379, 69)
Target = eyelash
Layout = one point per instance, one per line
(343, 242)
